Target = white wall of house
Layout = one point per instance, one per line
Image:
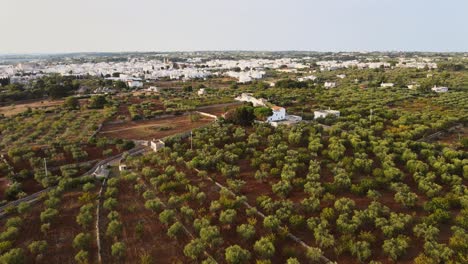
(278, 114)
(325, 113)
(134, 84)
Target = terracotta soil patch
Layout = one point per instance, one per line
(219, 109)
(4, 182)
(64, 229)
(13, 109)
(153, 129)
(152, 241)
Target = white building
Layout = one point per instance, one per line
(279, 113)
(387, 84)
(329, 85)
(245, 97)
(154, 89)
(325, 113)
(306, 78)
(341, 76)
(157, 145)
(201, 91)
(244, 79)
(439, 89)
(134, 83)
(122, 167)
(413, 86)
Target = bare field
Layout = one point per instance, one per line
(153, 129)
(14, 109)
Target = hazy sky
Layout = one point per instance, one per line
(39, 26)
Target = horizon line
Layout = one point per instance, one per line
(227, 50)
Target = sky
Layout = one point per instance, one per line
(57, 26)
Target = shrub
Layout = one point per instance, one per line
(114, 228)
(227, 216)
(154, 204)
(264, 247)
(271, 222)
(167, 216)
(314, 254)
(38, 247)
(82, 257)
(14, 256)
(236, 255)
(175, 229)
(82, 241)
(396, 247)
(110, 203)
(118, 249)
(5, 246)
(246, 231)
(211, 236)
(48, 215)
(194, 248)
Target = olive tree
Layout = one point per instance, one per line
(264, 247)
(237, 255)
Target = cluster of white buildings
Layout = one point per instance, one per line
(256, 64)
(418, 63)
(246, 76)
(335, 65)
(147, 69)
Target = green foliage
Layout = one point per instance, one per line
(118, 250)
(82, 257)
(38, 247)
(236, 255)
(82, 241)
(396, 247)
(194, 249)
(264, 247)
(246, 231)
(13, 256)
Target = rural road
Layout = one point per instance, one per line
(35, 196)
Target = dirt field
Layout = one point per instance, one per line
(152, 129)
(152, 241)
(13, 109)
(453, 138)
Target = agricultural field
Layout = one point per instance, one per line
(384, 182)
(61, 141)
(154, 129)
(16, 108)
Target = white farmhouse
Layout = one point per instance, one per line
(201, 91)
(244, 78)
(386, 84)
(306, 78)
(341, 76)
(439, 89)
(279, 113)
(329, 85)
(245, 97)
(413, 86)
(134, 83)
(325, 113)
(154, 89)
(157, 145)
